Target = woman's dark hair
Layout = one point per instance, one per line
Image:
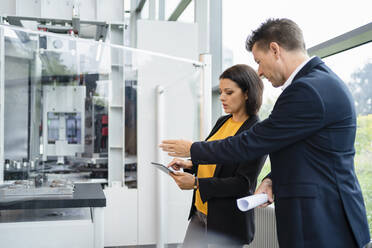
(282, 31)
(249, 82)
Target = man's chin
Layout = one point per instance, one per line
(276, 85)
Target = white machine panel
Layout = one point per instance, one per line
(46, 228)
(120, 217)
(181, 113)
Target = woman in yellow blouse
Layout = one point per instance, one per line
(214, 216)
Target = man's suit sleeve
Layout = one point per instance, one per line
(238, 185)
(297, 114)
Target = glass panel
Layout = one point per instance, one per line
(71, 114)
(144, 73)
(355, 68)
(51, 97)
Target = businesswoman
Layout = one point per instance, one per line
(214, 216)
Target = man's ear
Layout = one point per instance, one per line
(274, 48)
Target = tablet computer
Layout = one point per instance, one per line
(163, 168)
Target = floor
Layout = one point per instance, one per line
(147, 246)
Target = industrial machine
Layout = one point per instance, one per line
(56, 114)
(82, 111)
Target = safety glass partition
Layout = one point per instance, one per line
(150, 78)
(79, 111)
(50, 93)
(162, 99)
(355, 69)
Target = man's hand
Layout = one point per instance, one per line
(178, 163)
(176, 148)
(266, 186)
(184, 180)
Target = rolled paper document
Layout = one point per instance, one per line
(252, 201)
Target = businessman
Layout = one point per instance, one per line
(309, 135)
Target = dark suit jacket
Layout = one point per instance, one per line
(226, 224)
(310, 137)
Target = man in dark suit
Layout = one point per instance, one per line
(310, 137)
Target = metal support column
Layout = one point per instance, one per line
(2, 84)
(133, 23)
(206, 96)
(161, 189)
(161, 10)
(152, 10)
(202, 16)
(216, 51)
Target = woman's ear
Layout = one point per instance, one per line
(246, 95)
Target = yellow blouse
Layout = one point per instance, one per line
(229, 128)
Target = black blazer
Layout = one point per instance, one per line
(310, 137)
(226, 224)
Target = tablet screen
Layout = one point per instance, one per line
(163, 167)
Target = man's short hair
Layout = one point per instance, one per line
(282, 31)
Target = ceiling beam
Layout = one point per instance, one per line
(140, 6)
(346, 41)
(179, 10)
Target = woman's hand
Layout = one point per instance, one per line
(184, 180)
(178, 163)
(176, 148)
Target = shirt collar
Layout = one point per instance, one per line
(291, 77)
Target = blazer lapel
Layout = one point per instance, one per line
(247, 124)
(309, 66)
(218, 125)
